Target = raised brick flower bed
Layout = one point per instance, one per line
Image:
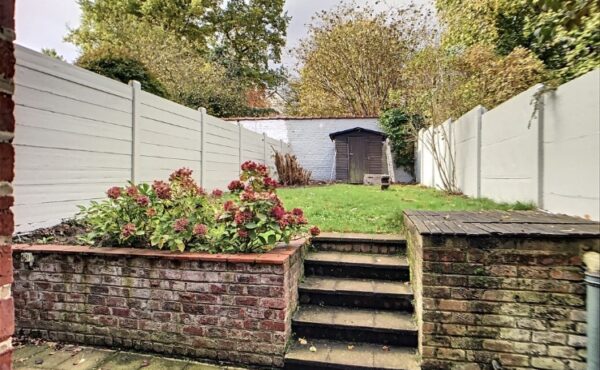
(228, 307)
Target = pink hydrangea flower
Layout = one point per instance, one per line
(200, 229)
(142, 200)
(217, 193)
(235, 185)
(162, 189)
(128, 230)
(314, 231)
(181, 224)
(132, 191)
(114, 192)
(278, 212)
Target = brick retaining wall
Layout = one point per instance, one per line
(518, 300)
(7, 160)
(232, 308)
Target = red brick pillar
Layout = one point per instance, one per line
(7, 159)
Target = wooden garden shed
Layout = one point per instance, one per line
(358, 151)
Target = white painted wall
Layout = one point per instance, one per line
(75, 139)
(552, 160)
(309, 140)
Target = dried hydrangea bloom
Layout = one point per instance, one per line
(181, 224)
(132, 191)
(278, 212)
(142, 200)
(200, 229)
(162, 189)
(128, 230)
(114, 192)
(314, 231)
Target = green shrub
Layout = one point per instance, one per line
(179, 215)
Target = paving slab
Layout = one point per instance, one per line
(355, 317)
(45, 357)
(354, 354)
(125, 361)
(365, 286)
(87, 359)
(48, 358)
(358, 259)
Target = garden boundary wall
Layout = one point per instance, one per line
(504, 287)
(309, 139)
(80, 133)
(235, 308)
(544, 151)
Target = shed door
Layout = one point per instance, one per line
(357, 149)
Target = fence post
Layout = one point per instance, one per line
(202, 146)
(480, 112)
(240, 148)
(136, 88)
(264, 148)
(540, 148)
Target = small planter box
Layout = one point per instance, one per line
(234, 308)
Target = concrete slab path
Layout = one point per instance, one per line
(47, 357)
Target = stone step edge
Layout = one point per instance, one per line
(305, 289)
(290, 359)
(359, 238)
(411, 331)
(404, 265)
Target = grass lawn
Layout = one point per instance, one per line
(367, 209)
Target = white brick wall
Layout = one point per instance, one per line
(310, 142)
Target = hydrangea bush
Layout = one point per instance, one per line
(180, 215)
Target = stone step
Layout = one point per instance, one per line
(353, 324)
(365, 243)
(357, 265)
(362, 293)
(345, 355)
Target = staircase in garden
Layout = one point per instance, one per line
(356, 306)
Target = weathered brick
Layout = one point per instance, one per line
(134, 304)
(6, 318)
(548, 363)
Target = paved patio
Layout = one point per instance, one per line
(48, 357)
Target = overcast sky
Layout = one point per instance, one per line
(44, 23)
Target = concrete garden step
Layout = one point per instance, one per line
(365, 243)
(345, 355)
(365, 293)
(358, 325)
(357, 265)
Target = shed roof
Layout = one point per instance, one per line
(333, 135)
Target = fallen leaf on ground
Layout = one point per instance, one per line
(385, 348)
(303, 341)
(313, 349)
(145, 363)
(79, 362)
(350, 347)
(39, 361)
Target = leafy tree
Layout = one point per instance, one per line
(122, 69)
(441, 84)
(243, 36)
(353, 57)
(563, 34)
(188, 77)
(51, 52)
